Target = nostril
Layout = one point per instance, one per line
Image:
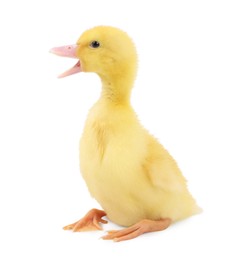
(69, 47)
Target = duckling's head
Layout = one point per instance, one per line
(107, 51)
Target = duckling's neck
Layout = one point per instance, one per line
(117, 90)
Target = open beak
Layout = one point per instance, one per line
(70, 52)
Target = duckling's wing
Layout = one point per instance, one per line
(161, 168)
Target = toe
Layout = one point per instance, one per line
(69, 227)
(119, 234)
(91, 221)
(129, 236)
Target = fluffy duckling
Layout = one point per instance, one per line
(131, 175)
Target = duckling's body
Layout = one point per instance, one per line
(127, 171)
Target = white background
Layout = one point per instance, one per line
(192, 92)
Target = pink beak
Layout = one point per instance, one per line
(70, 52)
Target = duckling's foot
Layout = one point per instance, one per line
(91, 221)
(138, 229)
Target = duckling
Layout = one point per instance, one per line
(131, 175)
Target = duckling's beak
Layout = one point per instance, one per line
(68, 51)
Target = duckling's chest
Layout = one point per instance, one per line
(112, 148)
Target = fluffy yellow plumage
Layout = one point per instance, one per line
(126, 169)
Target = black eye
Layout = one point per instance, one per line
(95, 44)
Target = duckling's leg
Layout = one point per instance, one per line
(91, 221)
(138, 229)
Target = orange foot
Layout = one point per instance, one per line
(91, 221)
(138, 229)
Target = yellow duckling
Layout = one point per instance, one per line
(130, 174)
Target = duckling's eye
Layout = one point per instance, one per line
(94, 44)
